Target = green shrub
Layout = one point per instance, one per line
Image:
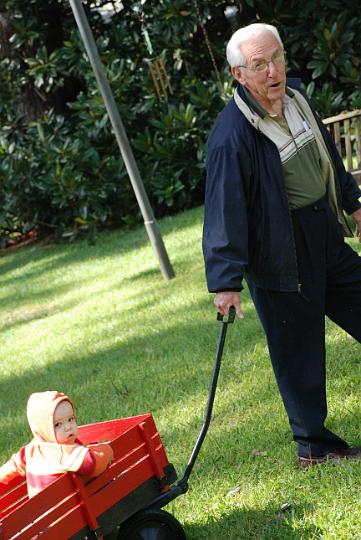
(61, 169)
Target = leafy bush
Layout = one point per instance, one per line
(61, 169)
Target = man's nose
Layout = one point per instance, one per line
(271, 68)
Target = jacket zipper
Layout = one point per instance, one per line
(299, 285)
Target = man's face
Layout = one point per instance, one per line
(268, 85)
(65, 426)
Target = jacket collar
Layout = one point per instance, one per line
(251, 109)
(291, 82)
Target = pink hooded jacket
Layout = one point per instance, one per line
(43, 460)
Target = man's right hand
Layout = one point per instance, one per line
(225, 299)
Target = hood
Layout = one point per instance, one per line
(40, 412)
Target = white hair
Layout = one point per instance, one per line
(247, 33)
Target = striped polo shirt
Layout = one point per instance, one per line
(296, 143)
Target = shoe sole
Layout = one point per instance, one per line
(305, 463)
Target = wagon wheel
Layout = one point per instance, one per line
(151, 524)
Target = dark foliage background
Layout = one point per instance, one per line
(60, 167)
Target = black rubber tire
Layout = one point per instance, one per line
(151, 524)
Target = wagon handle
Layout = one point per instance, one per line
(212, 392)
(231, 315)
(182, 485)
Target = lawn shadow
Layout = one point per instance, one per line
(110, 243)
(148, 273)
(269, 523)
(27, 314)
(32, 265)
(64, 255)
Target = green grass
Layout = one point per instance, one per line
(99, 323)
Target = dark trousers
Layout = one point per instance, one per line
(294, 323)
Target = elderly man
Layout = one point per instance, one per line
(274, 213)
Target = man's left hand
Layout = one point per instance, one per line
(356, 216)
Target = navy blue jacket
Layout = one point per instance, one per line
(247, 225)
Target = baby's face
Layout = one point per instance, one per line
(65, 426)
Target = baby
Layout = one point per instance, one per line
(55, 448)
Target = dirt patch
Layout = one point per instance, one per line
(27, 315)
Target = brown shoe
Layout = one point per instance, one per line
(336, 455)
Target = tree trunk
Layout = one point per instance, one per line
(49, 17)
(4, 36)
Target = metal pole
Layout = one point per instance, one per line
(122, 140)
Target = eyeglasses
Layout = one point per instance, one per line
(277, 59)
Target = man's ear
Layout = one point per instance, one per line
(237, 74)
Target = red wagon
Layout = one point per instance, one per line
(69, 509)
(125, 502)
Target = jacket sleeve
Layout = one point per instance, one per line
(349, 190)
(14, 468)
(225, 231)
(100, 455)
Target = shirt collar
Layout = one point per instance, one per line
(257, 108)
